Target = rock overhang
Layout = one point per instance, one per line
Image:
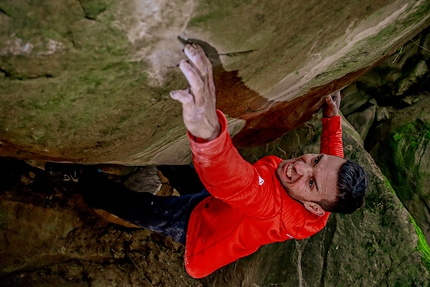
(93, 87)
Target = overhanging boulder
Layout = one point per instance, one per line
(88, 81)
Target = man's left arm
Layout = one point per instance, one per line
(331, 136)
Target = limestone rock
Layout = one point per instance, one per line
(402, 151)
(425, 43)
(404, 85)
(382, 114)
(353, 99)
(362, 120)
(50, 237)
(88, 81)
(144, 179)
(402, 56)
(374, 82)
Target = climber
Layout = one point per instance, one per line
(271, 200)
(243, 205)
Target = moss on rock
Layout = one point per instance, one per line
(403, 155)
(423, 246)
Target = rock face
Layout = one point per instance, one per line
(404, 154)
(45, 226)
(87, 81)
(396, 95)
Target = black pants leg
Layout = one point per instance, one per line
(183, 178)
(167, 215)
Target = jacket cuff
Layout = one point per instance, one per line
(332, 126)
(195, 141)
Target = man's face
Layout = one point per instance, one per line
(311, 177)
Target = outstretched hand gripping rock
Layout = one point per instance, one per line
(198, 100)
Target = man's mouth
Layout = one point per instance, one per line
(290, 170)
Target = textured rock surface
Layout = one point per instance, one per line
(403, 153)
(87, 81)
(50, 237)
(362, 120)
(398, 139)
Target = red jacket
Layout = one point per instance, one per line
(248, 207)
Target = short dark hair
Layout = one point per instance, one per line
(352, 184)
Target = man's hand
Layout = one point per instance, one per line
(331, 106)
(198, 101)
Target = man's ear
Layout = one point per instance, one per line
(313, 207)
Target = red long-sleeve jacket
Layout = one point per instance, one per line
(248, 207)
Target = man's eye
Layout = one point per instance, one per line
(317, 159)
(311, 183)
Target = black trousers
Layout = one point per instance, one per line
(167, 215)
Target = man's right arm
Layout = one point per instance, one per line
(331, 136)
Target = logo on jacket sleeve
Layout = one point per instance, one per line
(260, 180)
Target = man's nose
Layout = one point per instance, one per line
(302, 168)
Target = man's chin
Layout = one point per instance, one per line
(290, 194)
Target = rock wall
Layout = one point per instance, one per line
(390, 108)
(50, 237)
(88, 81)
